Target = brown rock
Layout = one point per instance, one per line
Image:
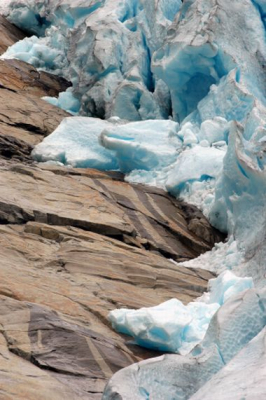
(24, 118)
(10, 147)
(57, 285)
(18, 76)
(9, 34)
(27, 117)
(112, 208)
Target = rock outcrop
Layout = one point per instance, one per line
(24, 117)
(75, 244)
(9, 34)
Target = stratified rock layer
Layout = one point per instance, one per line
(61, 272)
(144, 217)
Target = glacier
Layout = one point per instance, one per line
(103, 47)
(176, 328)
(232, 375)
(173, 94)
(180, 377)
(149, 152)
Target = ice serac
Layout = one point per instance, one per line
(177, 377)
(103, 47)
(174, 327)
(203, 46)
(247, 383)
(240, 204)
(76, 142)
(111, 144)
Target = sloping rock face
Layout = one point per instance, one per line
(24, 117)
(144, 217)
(9, 34)
(16, 75)
(74, 245)
(58, 283)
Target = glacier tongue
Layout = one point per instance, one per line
(179, 89)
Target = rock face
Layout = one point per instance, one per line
(141, 216)
(75, 244)
(24, 117)
(58, 283)
(16, 75)
(9, 34)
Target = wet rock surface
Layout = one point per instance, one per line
(74, 245)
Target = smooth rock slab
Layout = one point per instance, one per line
(26, 117)
(144, 217)
(57, 286)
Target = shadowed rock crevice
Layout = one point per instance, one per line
(10, 147)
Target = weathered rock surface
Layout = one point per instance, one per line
(64, 265)
(24, 117)
(142, 216)
(9, 34)
(18, 76)
(75, 244)
(57, 285)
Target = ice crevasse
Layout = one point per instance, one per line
(104, 47)
(172, 94)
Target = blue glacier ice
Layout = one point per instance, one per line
(66, 100)
(204, 46)
(76, 143)
(111, 144)
(145, 145)
(178, 377)
(174, 327)
(103, 47)
(251, 379)
(178, 95)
